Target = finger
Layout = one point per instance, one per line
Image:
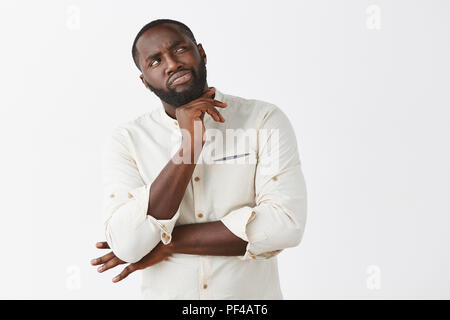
(221, 117)
(102, 245)
(125, 273)
(213, 102)
(220, 104)
(217, 111)
(211, 110)
(103, 259)
(201, 102)
(204, 104)
(208, 105)
(215, 114)
(209, 93)
(110, 264)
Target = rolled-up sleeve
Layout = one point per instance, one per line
(279, 217)
(129, 231)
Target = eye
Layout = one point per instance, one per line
(152, 64)
(181, 49)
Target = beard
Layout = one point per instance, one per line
(194, 91)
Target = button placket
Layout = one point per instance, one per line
(204, 263)
(197, 190)
(205, 279)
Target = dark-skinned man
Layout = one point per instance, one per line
(205, 191)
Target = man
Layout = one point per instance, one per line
(202, 218)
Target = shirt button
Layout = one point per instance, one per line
(196, 178)
(164, 235)
(253, 213)
(175, 122)
(112, 195)
(274, 178)
(205, 286)
(130, 195)
(200, 215)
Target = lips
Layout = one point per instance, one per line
(183, 76)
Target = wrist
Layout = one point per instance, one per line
(190, 150)
(170, 247)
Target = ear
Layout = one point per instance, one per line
(143, 81)
(202, 51)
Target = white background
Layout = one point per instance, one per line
(365, 84)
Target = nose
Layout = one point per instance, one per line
(173, 65)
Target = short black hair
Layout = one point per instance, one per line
(184, 28)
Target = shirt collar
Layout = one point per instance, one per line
(173, 123)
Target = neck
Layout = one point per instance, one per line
(170, 110)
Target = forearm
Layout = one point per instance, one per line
(168, 189)
(210, 238)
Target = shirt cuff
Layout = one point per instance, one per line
(166, 226)
(136, 201)
(236, 221)
(140, 197)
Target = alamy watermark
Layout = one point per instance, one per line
(73, 17)
(373, 280)
(232, 146)
(73, 279)
(373, 18)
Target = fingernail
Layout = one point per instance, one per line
(115, 279)
(100, 269)
(93, 261)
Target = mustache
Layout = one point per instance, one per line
(174, 76)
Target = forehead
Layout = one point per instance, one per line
(158, 38)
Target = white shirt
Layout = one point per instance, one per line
(259, 195)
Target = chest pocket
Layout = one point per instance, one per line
(236, 158)
(231, 179)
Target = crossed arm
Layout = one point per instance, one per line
(139, 233)
(166, 194)
(211, 238)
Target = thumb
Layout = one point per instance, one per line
(209, 93)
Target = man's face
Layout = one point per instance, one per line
(165, 54)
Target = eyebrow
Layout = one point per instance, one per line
(157, 54)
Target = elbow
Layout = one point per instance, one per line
(129, 246)
(284, 237)
(297, 229)
(127, 251)
(292, 237)
(296, 236)
(294, 233)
